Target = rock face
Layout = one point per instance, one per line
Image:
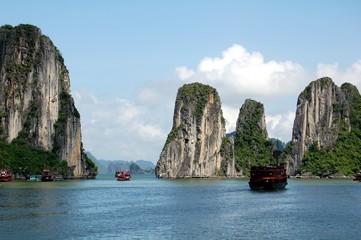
(35, 100)
(251, 118)
(252, 147)
(194, 144)
(322, 112)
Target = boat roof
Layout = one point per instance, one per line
(266, 168)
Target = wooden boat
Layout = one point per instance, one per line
(268, 178)
(123, 176)
(5, 175)
(47, 176)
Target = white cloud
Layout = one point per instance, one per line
(184, 72)
(238, 72)
(84, 97)
(280, 126)
(351, 74)
(119, 129)
(230, 114)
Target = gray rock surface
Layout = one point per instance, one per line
(322, 109)
(35, 98)
(193, 146)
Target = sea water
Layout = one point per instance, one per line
(151, 208)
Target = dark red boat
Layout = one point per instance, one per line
(268, 178)
(5, 176)
(123, 176)
(47, 176)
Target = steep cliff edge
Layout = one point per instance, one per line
(327, 118)
(36, 107)
(193, 147)
(251, 145)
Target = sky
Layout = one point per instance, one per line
(127, 59)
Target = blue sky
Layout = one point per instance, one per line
(128, 58)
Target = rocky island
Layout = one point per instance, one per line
(193, 147)
(325, 140)
(251, 145)
(39, 123)
(197, 145)
(326, 133)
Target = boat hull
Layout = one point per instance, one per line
(47, 178)
(6, 179)
(263, 185)
(123, 179)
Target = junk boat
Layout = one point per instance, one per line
(268, 178)
(47, 176)
(5, 176)
(123, 176)
(357, 177)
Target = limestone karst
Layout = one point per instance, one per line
(193, 146)
(252, 147)
(36, 105)
(325, 112)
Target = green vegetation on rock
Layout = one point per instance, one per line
(251, 147)
(197, 96)
(253, 150)
(23, 159)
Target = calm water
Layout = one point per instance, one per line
(150, 208)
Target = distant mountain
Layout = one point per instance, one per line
(231, 134)
(102, 168)
(278, 144)
(145, 165)
(111, 166)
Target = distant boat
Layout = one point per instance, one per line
(5, 175)
(122, 176)
(127, 176)
(47, 176)
(268, 178)
(58, 178)
(357, 177)
(34, 178)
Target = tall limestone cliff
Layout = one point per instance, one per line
(323, 112)
(36, 106)
(193, 147)
(251, 145)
